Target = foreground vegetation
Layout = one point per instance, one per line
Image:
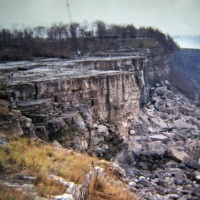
(36, 158)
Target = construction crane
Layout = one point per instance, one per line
(69, 12)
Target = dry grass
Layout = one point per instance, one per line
(101, 189)
(42, 159)
(50, 187)
(13, 194)
(39, 160)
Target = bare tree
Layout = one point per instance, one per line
(100, 28)
(40, 32)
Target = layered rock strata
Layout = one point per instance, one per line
(69, 100)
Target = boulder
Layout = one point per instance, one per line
(132, 132)
(152, 130)
(57, 144)
(180, 124)
(56, 125)
(170, 110)
(87, 116)
(184, 109)
(184, 157)
(144, 118)
(169, 134)
(191, 163)
(102, 130)
(158, 137)
(198, 177)
(177, 155)
(161, 91)
(79, 121)
(94, 140)
(135, 147)
(156, 148)
(159, 122)
(116, 168)
(173, 196)
(159, 104)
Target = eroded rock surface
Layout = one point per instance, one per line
(84, 104)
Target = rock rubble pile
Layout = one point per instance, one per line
(161, 159)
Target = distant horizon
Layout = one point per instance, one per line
(188, 41)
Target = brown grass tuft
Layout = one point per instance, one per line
(49, 187)
(101, 189)
(13, 194)
(42, 159)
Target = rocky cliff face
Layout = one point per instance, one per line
(82, 107)
(185, 72)
(157, 71)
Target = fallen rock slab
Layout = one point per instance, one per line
(183, 157)
(158, 137)
(178, 155)
(180, 124)
(185, 109)
(159, 122)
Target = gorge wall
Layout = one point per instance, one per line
(81, 102)
(185, 71)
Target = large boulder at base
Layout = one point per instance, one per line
(178, 155)
(180, 124)
(156, 148)
(135, 147)
(159, 122)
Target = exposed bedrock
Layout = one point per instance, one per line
(83, 109)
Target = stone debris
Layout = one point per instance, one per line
(164, 149)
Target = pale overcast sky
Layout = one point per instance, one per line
(176, 17)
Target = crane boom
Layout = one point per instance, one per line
(69, 12)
